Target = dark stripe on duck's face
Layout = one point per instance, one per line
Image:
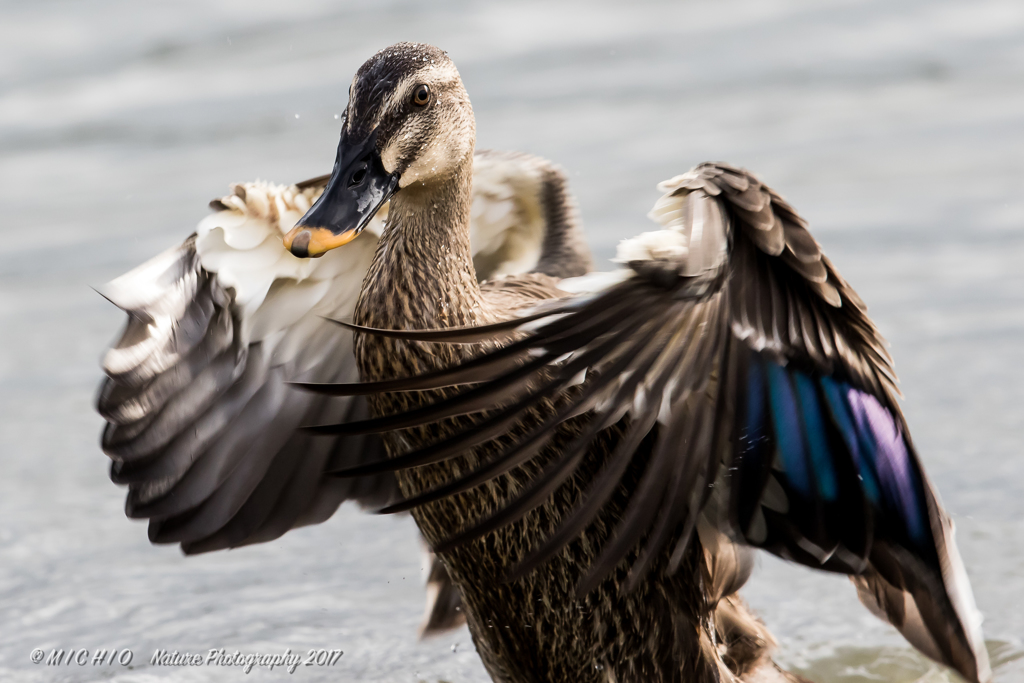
(359, 185)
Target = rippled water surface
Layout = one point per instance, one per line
(897, 128)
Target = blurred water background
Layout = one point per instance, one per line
(897, 128)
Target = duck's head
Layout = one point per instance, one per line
(408, 123)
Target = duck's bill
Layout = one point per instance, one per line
(358, 187)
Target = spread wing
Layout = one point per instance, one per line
(773, 402)
(201, 423)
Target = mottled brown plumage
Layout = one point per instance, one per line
(535, 628)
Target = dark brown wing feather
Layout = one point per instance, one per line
(770, 393)
(203, 427)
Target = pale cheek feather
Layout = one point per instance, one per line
(390, 156)
(438, 158)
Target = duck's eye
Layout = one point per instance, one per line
(421, 95)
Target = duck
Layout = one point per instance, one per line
(593, 458)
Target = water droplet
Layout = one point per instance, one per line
(296, 116)
(455, 646)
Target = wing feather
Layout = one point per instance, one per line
(203, 426)
(777, 397)
(524, 219)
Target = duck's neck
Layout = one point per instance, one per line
(422, 274)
